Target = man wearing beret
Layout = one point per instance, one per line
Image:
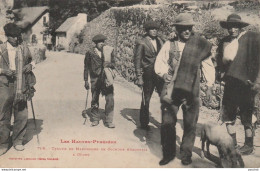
(14, 66)
(238, 65)
(145, 54)
(99, 63)
(178, 63)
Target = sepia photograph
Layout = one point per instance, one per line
(129, 84)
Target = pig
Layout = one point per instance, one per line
(212, 133)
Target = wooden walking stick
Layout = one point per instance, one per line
(84, 112)
(220, 104)
(34, 120)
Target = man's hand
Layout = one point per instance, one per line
(172, 35)
(167, 78)
(86, 85)
(107, 65)
(19, 97)
(209, 93)
(27, 68)
(139, 82)
(254, 86)
(8, 72)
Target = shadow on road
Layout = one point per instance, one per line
(151, 136)
(31, 130)
(132, 115)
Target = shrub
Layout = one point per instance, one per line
(124, 25)
(243, 5)
(38, 53)
(60, 47)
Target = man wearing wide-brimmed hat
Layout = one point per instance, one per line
(15, 65)
(238, 65)
(99, 62)
(178, 63)
(145, 54)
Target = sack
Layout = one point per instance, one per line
(109, 76)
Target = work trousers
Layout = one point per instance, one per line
(190, 106)
(151, 81)
(98, 86)
(238, 97)
(7, 94)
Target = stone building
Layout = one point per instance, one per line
(69, 28)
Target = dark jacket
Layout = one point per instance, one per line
(145, 54)
(94, 64)
(29, 79)
(246, 64)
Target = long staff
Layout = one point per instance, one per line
(34, 120)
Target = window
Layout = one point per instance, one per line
(45, 23)
(44, 38)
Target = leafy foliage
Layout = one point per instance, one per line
(243, 5)
(60, 10)
(123, 26)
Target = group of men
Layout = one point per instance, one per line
(16, 85)
(173, 68)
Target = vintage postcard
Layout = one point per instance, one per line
(129, 84)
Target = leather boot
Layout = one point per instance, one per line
(166, 160)
(248, 147)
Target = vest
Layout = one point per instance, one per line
(29, 78)
(174, 57)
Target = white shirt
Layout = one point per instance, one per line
(161, 65)
(98, 52)
(230, 51)
(154, 43)
(181, 46)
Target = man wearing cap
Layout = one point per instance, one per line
(14, 66)
(178, 63)
(238, 65)
(99, 63)
(145, 54)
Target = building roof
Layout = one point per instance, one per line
(31, 14)
(67, 24)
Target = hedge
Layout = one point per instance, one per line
(124, 25)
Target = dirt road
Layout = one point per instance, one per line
(66, 142)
